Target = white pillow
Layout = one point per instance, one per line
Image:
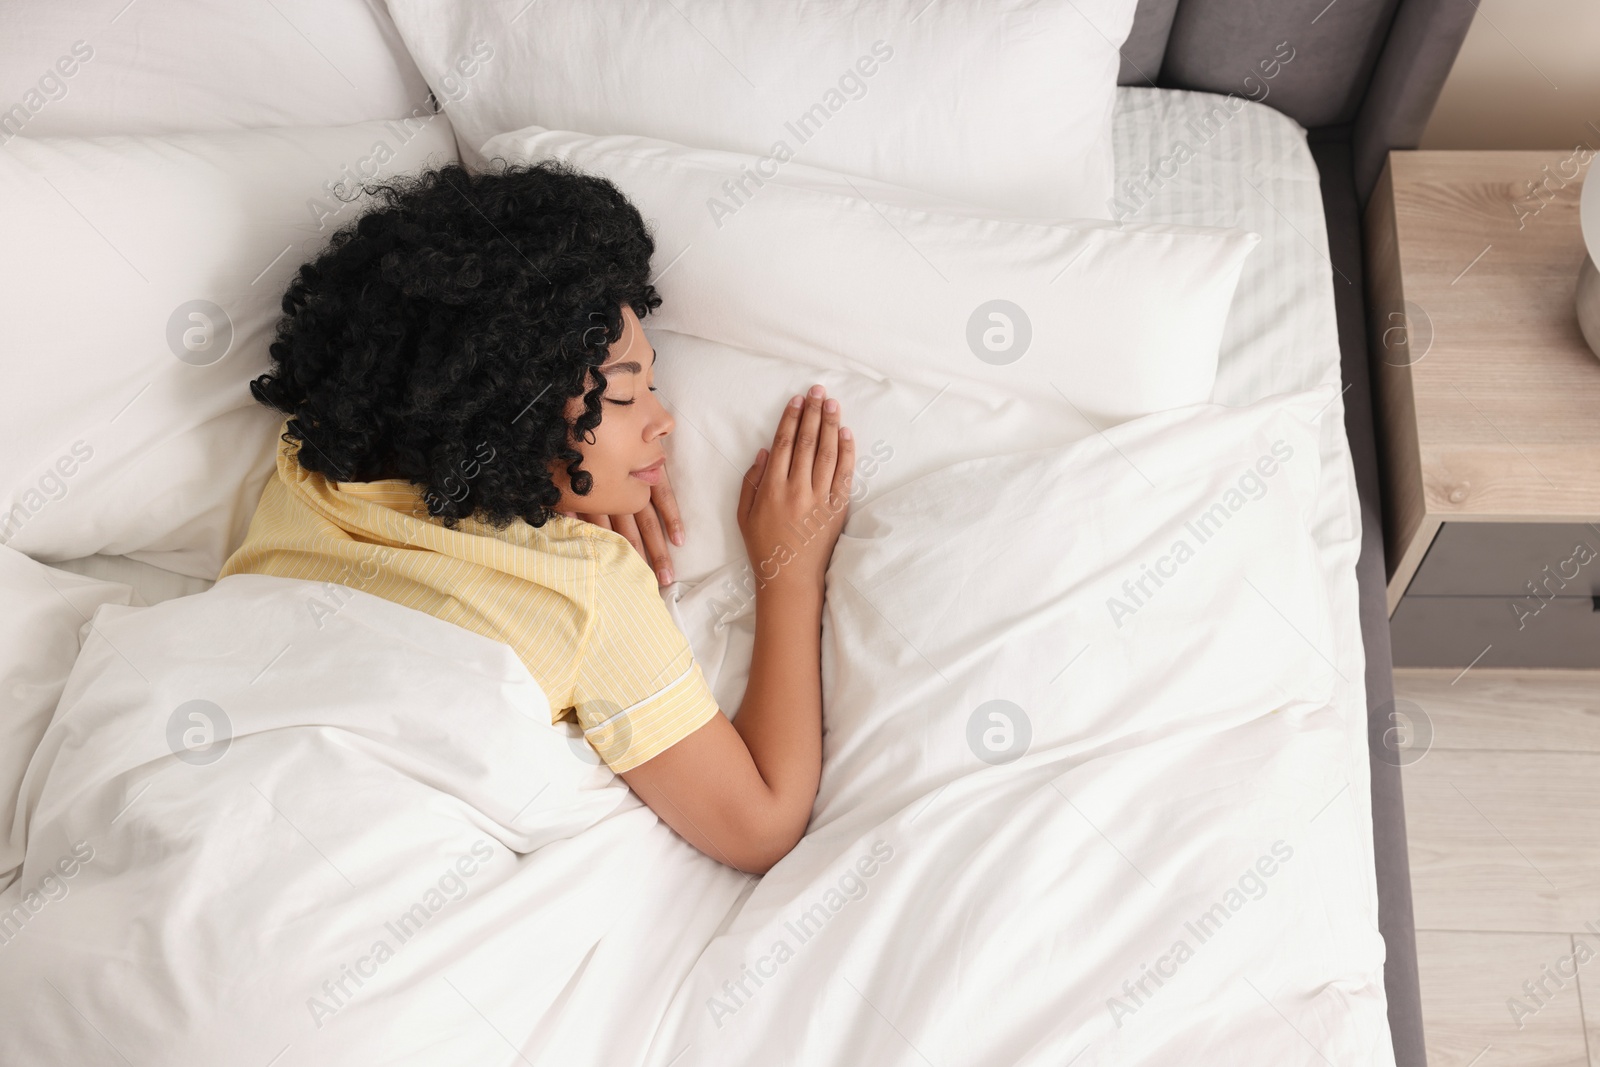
(40, 629)
(1054, 580)
(150, 584)
(144, 278)
(1005, 103)
(890, 298)
(183, 66)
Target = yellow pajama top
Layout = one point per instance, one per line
(574, 601)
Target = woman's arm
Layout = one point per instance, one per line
(742, 791)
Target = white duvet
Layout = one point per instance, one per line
(1070, 812)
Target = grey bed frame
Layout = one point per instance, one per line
(1364, 79)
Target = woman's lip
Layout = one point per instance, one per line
(651, 475)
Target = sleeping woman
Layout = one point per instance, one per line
(473, 431)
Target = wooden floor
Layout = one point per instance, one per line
(1503, 813)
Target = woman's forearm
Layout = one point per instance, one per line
(780, 717)
(742, 792)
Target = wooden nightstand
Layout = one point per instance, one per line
(1489, 410)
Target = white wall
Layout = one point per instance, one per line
(1528, 77)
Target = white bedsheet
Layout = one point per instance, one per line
(593, 947)
(1252, 169)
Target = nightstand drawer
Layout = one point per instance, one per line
(1453, 631)
(1510, 560)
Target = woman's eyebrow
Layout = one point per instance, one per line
(629, 366)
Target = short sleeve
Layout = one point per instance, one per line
(638, 690)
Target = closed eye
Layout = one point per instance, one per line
(625, 403)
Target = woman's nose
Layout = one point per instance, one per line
(663, 423)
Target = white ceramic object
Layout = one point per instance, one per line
(1589, 212)
(1588, 297)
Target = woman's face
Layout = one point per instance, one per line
(626, 458)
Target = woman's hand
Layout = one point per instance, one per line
(648, 531)
(794, 500)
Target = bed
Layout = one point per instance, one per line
(1300, 293)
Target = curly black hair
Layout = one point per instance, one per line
(441, 334)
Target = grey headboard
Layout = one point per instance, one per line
(1374, 66)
